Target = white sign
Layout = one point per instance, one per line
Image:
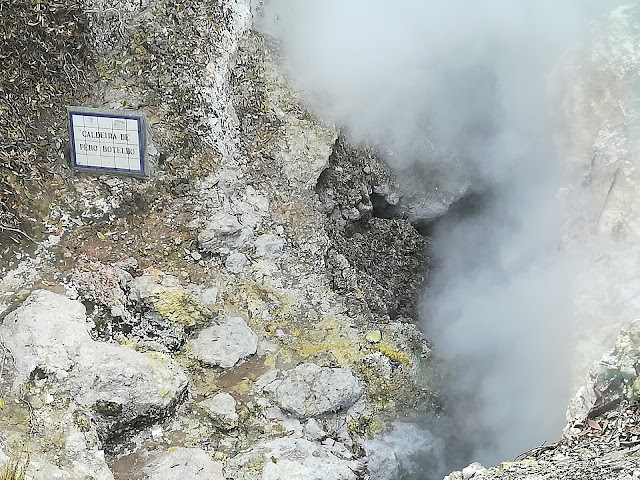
(108, 141)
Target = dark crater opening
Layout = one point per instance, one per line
(376, 257)
(382, 208)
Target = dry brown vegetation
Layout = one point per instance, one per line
(45, 65)
(15, 469)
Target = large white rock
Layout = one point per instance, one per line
(48, 332)
(226, 343)
(184, 464)
(309, 390)
(294, 458)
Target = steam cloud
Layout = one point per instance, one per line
(469, 77)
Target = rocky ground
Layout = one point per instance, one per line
(231, 316)
(249, 310)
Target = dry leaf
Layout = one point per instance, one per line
(593, 424)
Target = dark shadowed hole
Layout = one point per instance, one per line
(382, 208)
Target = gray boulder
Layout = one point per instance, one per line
(226, 343)
(236, 262)
(222, 410)
(289, 458)
(309, 390)
(223, 232)
(48, 334)
(184, 464)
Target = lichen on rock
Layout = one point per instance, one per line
(120, 386)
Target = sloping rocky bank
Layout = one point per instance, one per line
(248, 312)
(231, 316)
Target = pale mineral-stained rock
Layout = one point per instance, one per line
(48, 332)
(81, 457)
(209, 296)
(382, 462)
(173, 309)
(104, 284)
(289, 458)
(250, 208)
(475, 470)
(86, 459)
(184, 464)
(266, 379)
(269, 246)
(152, 310)
(301, 163)
(304, 144)
(222, 410)
(46, 471)
(236, 262)
(224, 231)
(226, 343)
(313, 431)
(309, 390)
(38, 469)
(164, 294)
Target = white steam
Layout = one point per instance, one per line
(469, 77)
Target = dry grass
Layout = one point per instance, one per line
(15, 469)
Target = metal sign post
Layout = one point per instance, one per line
(108, 141)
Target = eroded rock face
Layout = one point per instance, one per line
(309, 390)
(603, 222)
(48, 337)
(374, 247)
